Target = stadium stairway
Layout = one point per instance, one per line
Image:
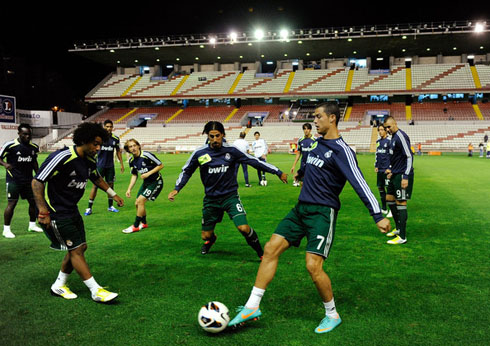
(440, 76)
(317, 80)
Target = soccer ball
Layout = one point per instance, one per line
(263, 182)
(213, 317)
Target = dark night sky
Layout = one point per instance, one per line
(36, 39)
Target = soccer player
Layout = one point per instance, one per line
(149, 167)
(218, 164)
(329, 165)
(105, 166)
(242, 145)
(304, 146)
(381, 164)
(400, 175)
(58, 187)
(259, 147)
(19, 157)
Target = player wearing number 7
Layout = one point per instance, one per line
(329, 165)
(149, 167)
(218, 163)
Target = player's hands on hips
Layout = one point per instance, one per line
(284, 178)
(172, 194)
(144, 175)
(384, 225)
(404, 184)
(119, 200)
(388, 173)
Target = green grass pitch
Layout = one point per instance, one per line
(434, 290)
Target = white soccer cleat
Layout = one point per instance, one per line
(131, 229)
(296, 183)
(397, 240)
(103, 295)
(8, 234)
(63, 292)
(35, 228)
(393, 233)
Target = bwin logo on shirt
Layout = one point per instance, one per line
(24, 159)
(221, 169)
(315, 161)
(77, 184)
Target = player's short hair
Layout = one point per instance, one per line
(24, 126)
(242, 134)
(256, 133)
(126, 144)
(213, 125)
(331, 107)
(108, 121)
(87, 132)
(387, 118)
(307, 126)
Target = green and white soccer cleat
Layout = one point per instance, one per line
(63, 292)
(328, 324)
(245, 314)
(103, 296)
(397, 240)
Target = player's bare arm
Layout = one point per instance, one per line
(134, 177)
(284, 178)
(42, 206)
(153, 171)
(172, 194)
(384, 225)
(102, 184)
(119, 157)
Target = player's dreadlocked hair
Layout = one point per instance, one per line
(87, 132)
(214, 125)
(331, 107)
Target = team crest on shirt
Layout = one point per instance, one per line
(328, 154)
(69, 242)
(227, 156)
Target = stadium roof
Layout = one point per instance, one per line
(423, 39)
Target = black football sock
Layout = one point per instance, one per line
(394, 211)
(253, 241)
(137, 221)
(402, 216)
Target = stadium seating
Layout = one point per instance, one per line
(443, 111)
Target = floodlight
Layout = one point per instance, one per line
(259, 34)
(212, 40)
(233, 36)
(284, 34)
(479, 27)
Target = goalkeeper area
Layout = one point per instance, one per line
(433, 290)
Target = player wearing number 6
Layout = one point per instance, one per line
(148, 166)
(329, 165)
(218, 163)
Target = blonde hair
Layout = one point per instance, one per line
(126, 144)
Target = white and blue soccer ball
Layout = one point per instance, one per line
(214, 317)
